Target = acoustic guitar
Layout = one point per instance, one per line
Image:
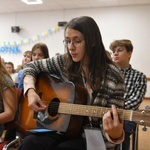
(66, 108)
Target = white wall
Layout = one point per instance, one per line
(115, 23)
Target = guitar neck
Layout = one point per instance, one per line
(91, 111)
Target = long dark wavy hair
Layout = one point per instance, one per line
(95, 50)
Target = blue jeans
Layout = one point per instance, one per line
(129, 128)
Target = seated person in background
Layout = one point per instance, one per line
(39, 51)
(18, 68)
(8, 98)
(135, 82)
(11, 70)
(85, 63)
(26, 59)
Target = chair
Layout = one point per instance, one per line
(134, 141)
(135, 138)
(10, 128)
(2, 144)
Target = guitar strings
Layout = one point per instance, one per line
(52, 106)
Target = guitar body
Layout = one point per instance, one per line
(52, 92)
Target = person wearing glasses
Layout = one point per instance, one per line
(86, 64)
(135, 81)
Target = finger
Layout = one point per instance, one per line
(115, 113)
(107, 119)
(105, 125)
(34, 107)
(108, 115)
(39, 106)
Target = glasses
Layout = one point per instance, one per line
(75, 43)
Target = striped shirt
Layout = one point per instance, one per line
(111, 94)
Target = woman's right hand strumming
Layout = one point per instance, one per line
(34, 101)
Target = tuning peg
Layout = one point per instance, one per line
(144, 128)
(147, 107)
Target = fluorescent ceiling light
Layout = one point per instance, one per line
(32, 2)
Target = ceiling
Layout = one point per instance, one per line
(14, 6)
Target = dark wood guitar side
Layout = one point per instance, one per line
(52, 90)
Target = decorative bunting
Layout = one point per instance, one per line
(12, 46)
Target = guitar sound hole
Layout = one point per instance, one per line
(53, 107)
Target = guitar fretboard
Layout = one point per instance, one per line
(91, 111)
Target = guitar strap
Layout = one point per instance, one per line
(94, 139)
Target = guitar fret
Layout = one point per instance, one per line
(76, 109)
(131, 115)
(96, 111)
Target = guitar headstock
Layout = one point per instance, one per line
(142, 117)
